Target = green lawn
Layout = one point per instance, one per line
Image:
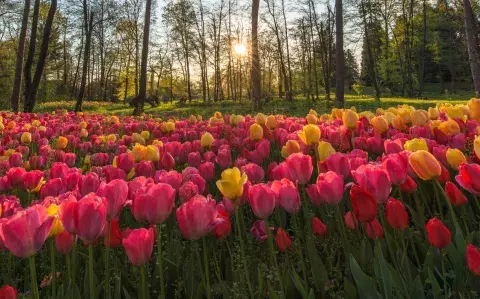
(299, 107)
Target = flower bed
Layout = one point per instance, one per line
(377, 204)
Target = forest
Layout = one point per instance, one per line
(201, 50)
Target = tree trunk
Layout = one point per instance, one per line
(339, 55)
(473, 56)
(86, 56)
(17, 83)
(371, 57)
(424, 45)
(31, 52)
(42, 56)
(140, 102)
(256, 79)
(77, 70)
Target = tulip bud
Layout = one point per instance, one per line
(271, 122)
(396, 214)
(26, 138)
(363, 203)
(310, 134)
(438, 234)
(139, 245)
(425, 165)
(473, 259)
(283, 240)
(256, 132)
(416, 144)
(379, 123)
(350, 119)
(206, 140)
(318, 227)
(350, 220)
(325, 149)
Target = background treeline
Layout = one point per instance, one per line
(201, 49)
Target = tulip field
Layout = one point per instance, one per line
(347, 204)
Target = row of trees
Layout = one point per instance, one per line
(213, 50)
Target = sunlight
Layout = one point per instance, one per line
(240, 49)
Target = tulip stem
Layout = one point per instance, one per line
(298, 248)
(444, 277)
(107, 262)
(69, 268)
(143, 291)
(74, 259)
(33, 277)
(274, 256)
(205, 261)
(242, 251)
(53, 266)
(90, 270)
(454, 216)
(160, 262)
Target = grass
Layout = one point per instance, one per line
(299, 107)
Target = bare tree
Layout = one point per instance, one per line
(339, 55)
(472, 45)
(256, 78)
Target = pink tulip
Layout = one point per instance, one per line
(374, 180)
(313, 194)
(58, 170)
(340, 164)
(254, 172)
(300, 167)
(396, 167)
(139, 245)
(154, 203)
(172, 178)
(195, 217)
(15, 176)
(89, 217)
(88, 183)
(125, 162)
(187, 191)
(67, 214)
(31, 179)
(16, 160)
(26, 231)
(330, 187)
(115, 194)
(259, 230)
(262, 200)
(167, 161)
(53, 187)
(287, 194)
(207, 170)
(469, 178)
(194, 159)
(224, 158)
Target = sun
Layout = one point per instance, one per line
(240, 49)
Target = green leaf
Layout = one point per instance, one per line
(299, 284)
(319, 271)
(385, 277)
(350, 289)
(417, 290)
(72, 291)
(436, 289)
(365, 285)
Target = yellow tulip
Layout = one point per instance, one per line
(271, 122)
(313, 112)
(233, 120)
(111, 138)
(42, 128)
(325, 149)
(35, 123)
(153, 153)
(367, 114)
(418, 118)
(199, 118)
(455, 112)
(350, 119)
(139, 152)
(310, 134)
(449, 127)
(425, 165)
(260, 119)
(256, 132)
(231, 183)
(192, 119)
(389, 116)
(474, 106)
(455, 157)
(311, 119)
(416, 144)
(476, 146)
(379, 123)
(433, 113)
(291, 147)
(62, 142)
(218, 115)
(2, 126)
(398, 123)
(170, 126)
(57, 227)
(337, 113)
(206, 140)
(136, 137)
(82, 125)
(324, 117)
(26, 137)
(145, 135)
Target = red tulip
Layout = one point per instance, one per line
(438, 234)
(313, 194)
(396, 214)
(64, 242)
(396, 167)
(115, 194)
(207, 170)
(262, 200)
(473, 259)
(15, 176)
(67, 214)
(115, 235)
(319, 228)
(153, 204)
(139, 245)
(195, 217)
(444, 175)
(90, 216)
(8, 292)
(31, 179)
(26, 231)
(283, 240)
(330, 187)
(58, 170)
(300, 167)
(363, 203)
(223, 226)
(409, 185)
(350, 220)
(287, 194)
(54, 187)
(454, 194)
(469, 178)
(374, 229)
